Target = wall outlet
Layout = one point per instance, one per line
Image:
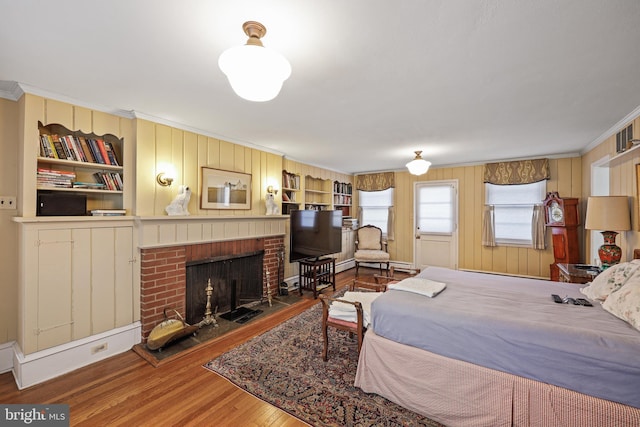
(99, 348)
(8, 202)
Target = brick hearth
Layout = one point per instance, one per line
(163, 273)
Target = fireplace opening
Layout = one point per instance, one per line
(236, 280)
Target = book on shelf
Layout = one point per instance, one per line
(86, 150)
(111, 153)
(54, 178)
(89, 185)
(112, 180)
(47, 149)
(69, 148)
(79, 149)
(61, 154)
(95, 150)
(103, 151)
(108, 212)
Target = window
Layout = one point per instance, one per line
(375, 207)
(513, 212)
(436, 208)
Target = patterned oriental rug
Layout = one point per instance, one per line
(284, 367)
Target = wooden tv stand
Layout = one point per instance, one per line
(314, 273)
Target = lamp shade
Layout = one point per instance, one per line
(418, 166)
(608, 213)
(256, 73)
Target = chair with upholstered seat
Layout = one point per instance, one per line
(354, 326)
(370, 248)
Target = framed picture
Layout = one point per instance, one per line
(225, 189)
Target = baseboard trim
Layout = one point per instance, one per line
(6, 357)
(397, 265)
(34, 368)
(345, 265)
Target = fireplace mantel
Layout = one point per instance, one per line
(164, 231)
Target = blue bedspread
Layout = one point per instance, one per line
(512, 325)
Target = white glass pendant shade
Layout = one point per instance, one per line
(255, 72)
(418, 166)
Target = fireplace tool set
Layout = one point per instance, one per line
(170, 330)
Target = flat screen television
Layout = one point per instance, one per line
(315, 234)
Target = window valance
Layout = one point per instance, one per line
(375, 181)
(517, 172)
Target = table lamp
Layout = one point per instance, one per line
(608, 213)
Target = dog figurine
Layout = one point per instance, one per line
(180, 204)
(272, 206)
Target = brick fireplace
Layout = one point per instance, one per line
(163, 272)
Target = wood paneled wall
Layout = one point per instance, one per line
(157, 145)
(9, 144)
(622, 182)
(566, 175)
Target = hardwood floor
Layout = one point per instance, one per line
(125, 390)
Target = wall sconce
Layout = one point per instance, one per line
(163, 179)
(272, 186)
(166, 176)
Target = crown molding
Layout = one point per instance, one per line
(187, 128)
(612, 130)
(10, 90)
(14, 90)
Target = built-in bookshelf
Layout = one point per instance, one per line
(317, 193)
(290, 192)
(342, 197)
(77, 162)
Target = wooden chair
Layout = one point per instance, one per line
(370, 248)
(354, 328)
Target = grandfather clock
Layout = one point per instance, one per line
(561, 216)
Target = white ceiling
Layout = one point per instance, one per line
(465, 81)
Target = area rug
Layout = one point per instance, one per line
(284, 367)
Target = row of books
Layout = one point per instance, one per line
(108, 212)
(78, 148)
(55, 178)
(339, 199)
(111, 180)
(52, 178)
(342, 187)
(290, 180)
(288, 197)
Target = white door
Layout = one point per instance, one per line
(436, 224)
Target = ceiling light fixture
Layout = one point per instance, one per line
(255, 72)
(418, 166)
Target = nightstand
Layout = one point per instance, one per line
(577, 273)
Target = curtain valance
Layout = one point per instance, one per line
(375, 181)
(516, 172)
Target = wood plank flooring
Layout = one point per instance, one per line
(125, 390)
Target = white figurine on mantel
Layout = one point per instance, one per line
(272, 206)
(180, 204)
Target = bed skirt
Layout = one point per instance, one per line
(458, 393)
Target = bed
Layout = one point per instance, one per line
(496, 350)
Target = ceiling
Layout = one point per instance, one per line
(373, 80)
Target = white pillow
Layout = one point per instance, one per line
(610, 280)
(624, 303)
